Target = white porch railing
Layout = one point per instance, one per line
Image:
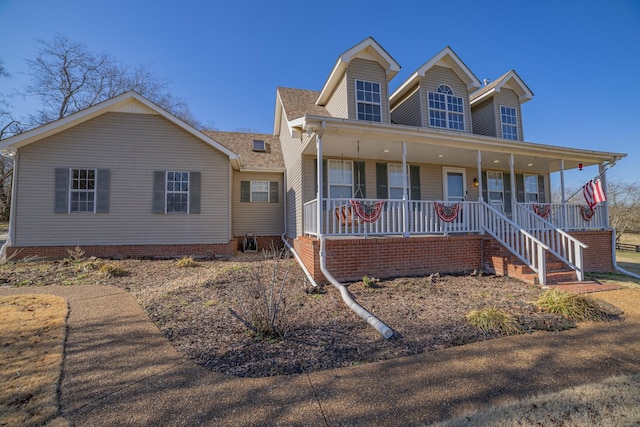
(340, 219)
(565, 247)
(570, 217)
(521, 243)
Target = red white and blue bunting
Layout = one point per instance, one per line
(542, 211)
(587, 212)
(447, 212)
(368, 211)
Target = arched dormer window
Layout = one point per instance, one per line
(445, 109)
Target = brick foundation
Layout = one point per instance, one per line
(125, 251)
(351, 259)
(597, 257)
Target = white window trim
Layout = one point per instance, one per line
(524, 181)
(446, 110)
(503, 124)
(167, 192)
(94, 191)
(445, 182)
(489, 191)
(251, 192)
(379, 104)
(408, 183)
(329, 183)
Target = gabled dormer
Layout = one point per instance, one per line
(358, 86)
(436, 95)
(495, 107)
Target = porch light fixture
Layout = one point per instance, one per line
(475, 182)
(496, 161)
(529, 164)
(386, 150)
(440, 156)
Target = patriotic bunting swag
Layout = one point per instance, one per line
(447, 213)
(587, 213)
(593, 193)
(368, 211)
(542, 211)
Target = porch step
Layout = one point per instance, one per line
(556, 272)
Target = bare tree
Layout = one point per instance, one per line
(67, 77)
(8, 126)
(624, 207)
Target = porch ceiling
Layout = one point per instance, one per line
(384, 142)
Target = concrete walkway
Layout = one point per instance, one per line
(120, 370)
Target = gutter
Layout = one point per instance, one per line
(613, 257)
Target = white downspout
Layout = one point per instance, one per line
(346, 297)
(384, 330)
(284, 235)
(613, 257)
(405, 195)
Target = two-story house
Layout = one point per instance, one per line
(433, 177)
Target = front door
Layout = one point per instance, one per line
(454, 181)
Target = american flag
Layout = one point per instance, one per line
(593, 193)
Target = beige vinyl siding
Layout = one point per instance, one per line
(371, 71)
(433, 78)
(132, 147)
(484, 118)
(337, 105)
(259, 218)
(408, 111)
(292, 153)
(508, 98)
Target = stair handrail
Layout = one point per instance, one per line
(559, 241)
(524, 245)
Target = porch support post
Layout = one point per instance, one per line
(319, 178)
(564, 196)
(514, 190)
(405, 198)
(603, 177)
(480, 183)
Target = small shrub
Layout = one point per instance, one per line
(187, 262)
(576, 307)
(76, 254)
(370, 282)
(493, 319)
(111, 270)
(259, 294)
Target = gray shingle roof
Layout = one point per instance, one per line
(241, 143)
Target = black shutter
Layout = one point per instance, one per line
(158, 192)
(195, 179)
(507, 192)
(245, 191)
(382, 191)
(414, 180)
(360, 181)
(273, 192)
(102, 188)
(541, 192)
(61, 204)
(520, 188)
(485, 186)
(325, 173)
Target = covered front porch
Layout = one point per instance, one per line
(451, 185)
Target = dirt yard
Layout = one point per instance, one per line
(200, 310)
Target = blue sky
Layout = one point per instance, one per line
(580, 58)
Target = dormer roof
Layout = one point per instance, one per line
(509, 80)
(445, 58)
(366, 49)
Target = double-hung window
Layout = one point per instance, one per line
(396, 187)
(259, 191)
(531, 188)
(368, 101)
(495, 186)
(82, 190)
(340, 179)
(177, 192)
(445, 109)
(509, 120)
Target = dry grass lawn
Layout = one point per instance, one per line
(31, 351)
